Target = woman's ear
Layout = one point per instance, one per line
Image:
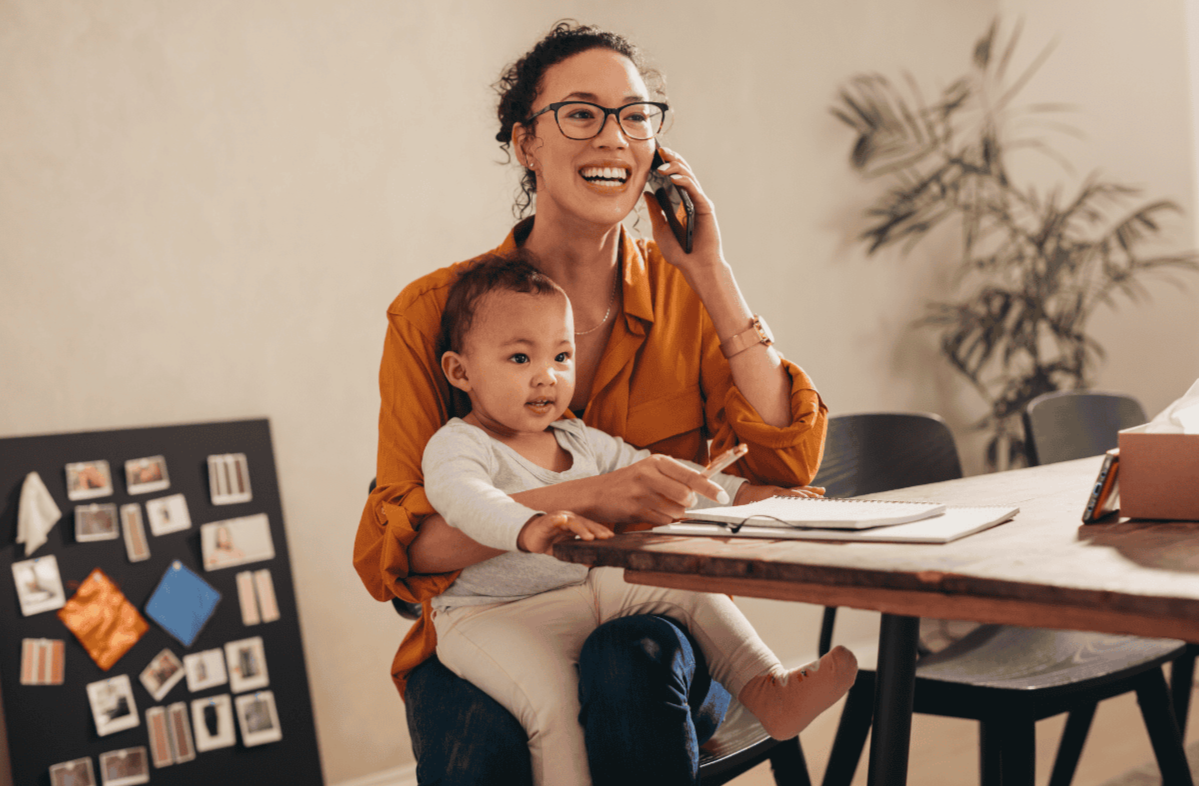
(454, 368)
(523, 142)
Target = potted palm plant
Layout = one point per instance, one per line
(1033, 266)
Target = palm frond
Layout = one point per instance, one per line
(1034, 264)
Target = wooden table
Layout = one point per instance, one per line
(1042, 569)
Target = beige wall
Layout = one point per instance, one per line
(206, 207)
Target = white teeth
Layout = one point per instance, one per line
(618, 174)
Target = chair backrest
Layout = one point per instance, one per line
(1072, 424)
(882, 451)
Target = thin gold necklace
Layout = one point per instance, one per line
(608, 313)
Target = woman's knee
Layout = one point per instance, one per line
(460, 735)
(629, 650)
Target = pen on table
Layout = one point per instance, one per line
(720, 462)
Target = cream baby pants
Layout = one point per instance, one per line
(523, 654)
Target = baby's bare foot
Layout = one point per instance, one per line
(786, 702)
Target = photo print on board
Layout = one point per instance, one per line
(112, 703)
(145, 475)
(42, 661)
(229, 479)
(246, 599)
(39, 585)
(247, 665)
(256, 594)
(136, 545)
(88, 480)
(212, 719)
(168, 514)
(180, 733)
(205, 670)
(160, 741)
(258, 719)
(124, 767)
(232, 542)
(73, 773)
(96, 522)
(163, 673)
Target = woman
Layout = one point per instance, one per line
(668, 356)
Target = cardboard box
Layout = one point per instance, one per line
(1159, 475)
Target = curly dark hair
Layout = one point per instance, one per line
(514, 271)
(520, 82)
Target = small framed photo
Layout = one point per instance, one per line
(266, 595)
(232, 542)
(112, 705)
(182, 747)
(88, 480)
(96, 522)
(39, 585)
(168, 514)
(160, 739)
(144, 475)
(163, 673)
(73, 773)
(212, 718)
(42, 661)
(205, 670)
(136, 545)
(247, 665)
(229, 479)
(124, 767)
(258, 719)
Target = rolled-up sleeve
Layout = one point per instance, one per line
(415, 403)
(778, 455)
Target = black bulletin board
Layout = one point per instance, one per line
(51, 724)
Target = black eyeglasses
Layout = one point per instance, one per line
(583, 120)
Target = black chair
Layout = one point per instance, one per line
(1005, 677)
(1074, 424)
(739, 745)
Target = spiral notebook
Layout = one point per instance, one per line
(948, 525)
(818, 512)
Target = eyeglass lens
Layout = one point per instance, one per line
(583, 121)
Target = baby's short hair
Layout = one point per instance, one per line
(510, 272)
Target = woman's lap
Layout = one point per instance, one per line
(460, 735)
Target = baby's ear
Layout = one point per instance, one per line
(454, 368)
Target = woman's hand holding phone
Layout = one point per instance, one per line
(706, 251)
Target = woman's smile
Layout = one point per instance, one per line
(606, 179)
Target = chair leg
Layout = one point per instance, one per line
(1017, 751)
(1077, 725)
(852, 729)
(1158, 714)
(990, 762)
(1182, 677)
(788, 764)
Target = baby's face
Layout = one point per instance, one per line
(519, 360)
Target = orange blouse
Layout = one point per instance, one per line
(661, 384)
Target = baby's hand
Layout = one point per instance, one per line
(540, 533)
(752, 493)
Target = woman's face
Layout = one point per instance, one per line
(571, 185)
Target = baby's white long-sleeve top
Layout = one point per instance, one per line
(468, 477)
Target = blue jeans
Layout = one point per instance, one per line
(648, 703)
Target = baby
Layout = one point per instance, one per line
(514, 625)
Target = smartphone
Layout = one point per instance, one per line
(679, 210)
(1105, 496)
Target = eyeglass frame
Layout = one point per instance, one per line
(554, 107)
